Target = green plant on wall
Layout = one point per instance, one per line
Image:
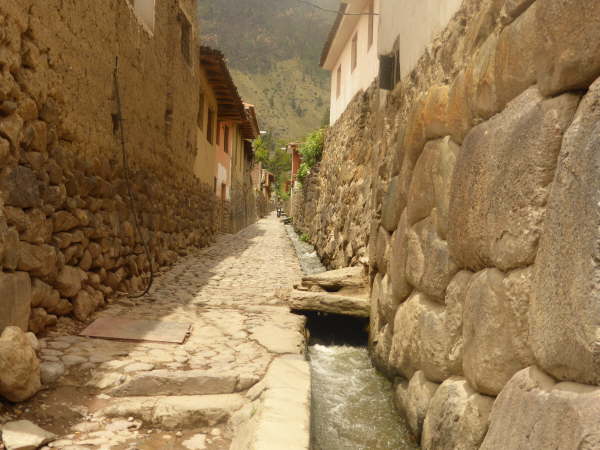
(311, 152)
(303, 172)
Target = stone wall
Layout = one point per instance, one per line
(239, 214)
(263, 204)
(245, 202)
(333, 204)
(67, 231)
(223, 216)
(475, 186)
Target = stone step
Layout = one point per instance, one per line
(23, 434)
(175, 412)
(183, 382)
(329, 303)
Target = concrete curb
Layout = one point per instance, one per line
(279, 415)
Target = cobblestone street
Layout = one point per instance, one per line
(204, 393)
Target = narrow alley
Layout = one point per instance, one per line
(240, 331)
(299, 224)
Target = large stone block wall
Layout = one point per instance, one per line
(475, 186)
(67, 231)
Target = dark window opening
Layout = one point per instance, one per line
(186, 31)
(201, 111)
(215, 185)
(396, 69)
(354, 52)
(169, 116)
(116, 122)
(226, 138)
(338, 89)
(389, 69)
(210, 126)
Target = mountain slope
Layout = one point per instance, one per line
(273, 49)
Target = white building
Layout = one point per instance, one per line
(406, 27)
(382, 38)
(350, 53)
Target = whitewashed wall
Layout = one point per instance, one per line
(341, 54)
(416, 22)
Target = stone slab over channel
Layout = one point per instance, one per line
(329, 303)
(246, 352)
(342, 291)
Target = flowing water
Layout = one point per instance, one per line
(352, 407)
(307, 255)
(352, 403)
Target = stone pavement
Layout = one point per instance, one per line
(210, 392)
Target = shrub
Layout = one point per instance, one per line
(311, 151)
(303, 172)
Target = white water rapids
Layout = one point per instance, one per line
(352, 403)
(351, 406)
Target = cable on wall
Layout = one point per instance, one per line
(334, 11)
(119, 118)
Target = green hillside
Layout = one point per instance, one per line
(273, 49)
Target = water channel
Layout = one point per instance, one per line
(352, 406)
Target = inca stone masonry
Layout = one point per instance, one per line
(472, 192)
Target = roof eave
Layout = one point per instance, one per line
(332, 34)
(230, 105)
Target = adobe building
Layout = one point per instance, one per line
(205, 161)
(245, 206)
(83, 125)
(231, 126)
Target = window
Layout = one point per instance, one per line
(218, 133)
(215, 185)
(210, 126)
(186, 31)
(371, 22)
(223, 191)
(338, 88)
(354, 51)
(169, 115)
(144, 10)
(226, 138)
(389, 68)
(396, 64)
(201, 111)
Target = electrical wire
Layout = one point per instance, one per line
(128, 182)
(334, 11)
